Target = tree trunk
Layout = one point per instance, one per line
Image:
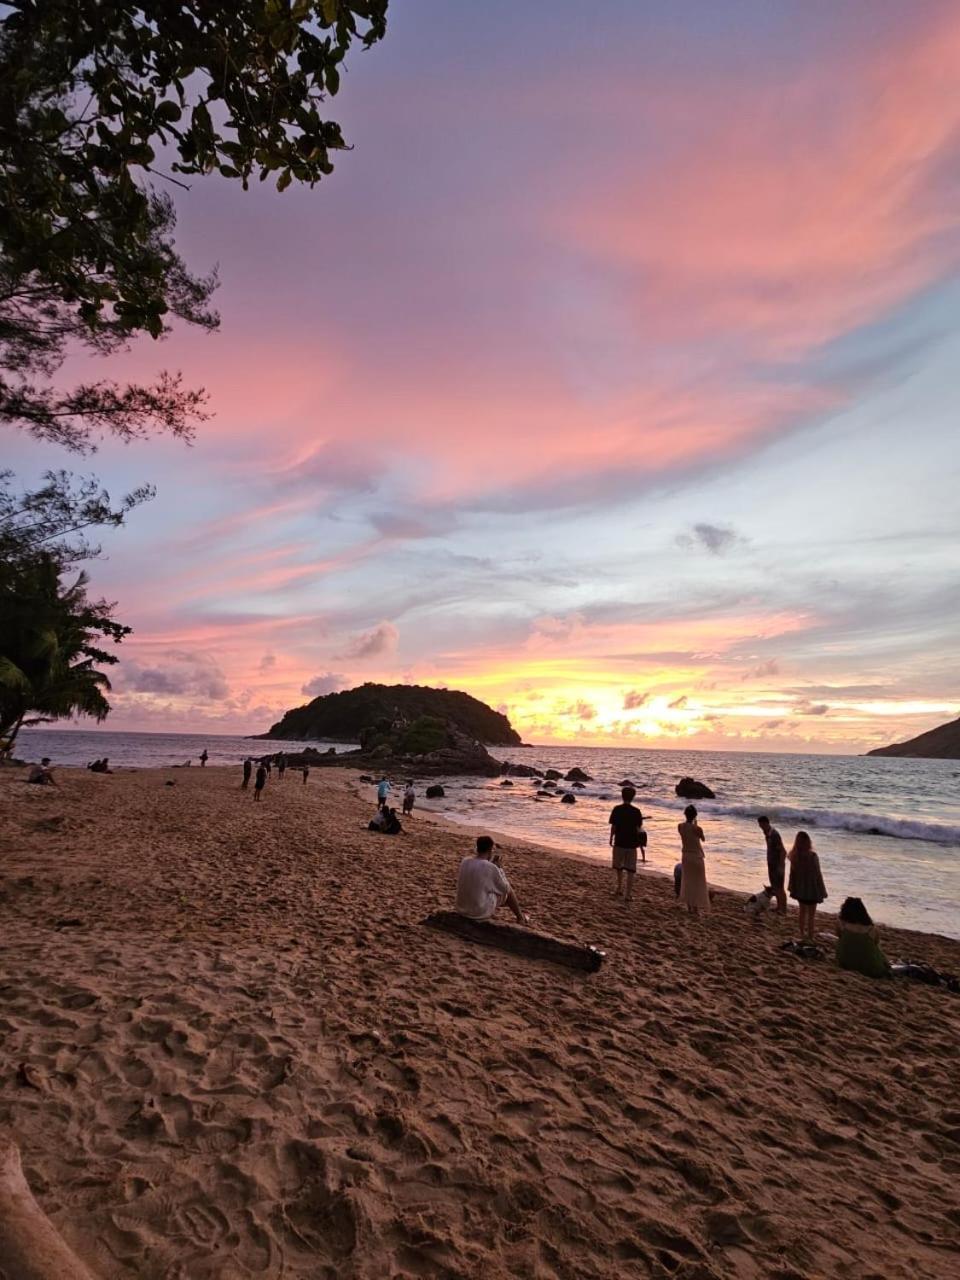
(519, 941)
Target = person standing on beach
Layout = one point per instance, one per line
(776, 862)
(203, 758)
(261, 780)
(247, 770)
(806, 882)
(482, 887)
(305, 770)
(281, 765)
(383, 790)
(694, 893)
(626, 838)
(409, 799)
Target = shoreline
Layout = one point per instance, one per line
(454, 827)
(231, 1048)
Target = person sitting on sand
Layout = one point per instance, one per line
(858, 945)
(806, 885)
(693, 879)
(776, 862)
(626, 838)
(42, 774)
(260, 781)
(247, 770)
(386, 821)
(409, 799)
(482, 887)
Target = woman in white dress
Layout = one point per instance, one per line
(693, 878)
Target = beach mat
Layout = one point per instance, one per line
(518, 941)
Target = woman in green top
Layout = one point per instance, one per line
(858, 947)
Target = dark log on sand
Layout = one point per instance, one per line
(30, 1248)
(521, 942)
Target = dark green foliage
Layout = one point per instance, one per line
(50, 638)
(427, 733)
(345, 716)
(93, 97)
(47, 519)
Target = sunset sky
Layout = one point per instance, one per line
(612, 377)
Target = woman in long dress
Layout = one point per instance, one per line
(693, 876)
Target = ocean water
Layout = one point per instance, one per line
(148, 750)
(887, 830)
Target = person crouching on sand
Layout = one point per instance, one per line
(693, 878)
(806, 882)
(482, 886)
(627, 837)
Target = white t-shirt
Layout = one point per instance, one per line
(481, 887)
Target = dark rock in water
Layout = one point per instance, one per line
(568, 798)
(520, 770)
(550, 783)
(578, 786)
(576, 775)
(506, 783)
(553, 773)
(690, 789)
(626, 783)
(435, 791)
(551, 794)
(365, 777)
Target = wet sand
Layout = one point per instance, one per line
(228, 1048)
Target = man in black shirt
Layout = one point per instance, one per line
(626, 837)
(776, 862)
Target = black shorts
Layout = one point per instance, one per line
(775, 873)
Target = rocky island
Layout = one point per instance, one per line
(406, 728)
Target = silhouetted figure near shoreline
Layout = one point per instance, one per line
(247, 771)
(806, 882)
(776, 862)
(260, 782)
(693, 880)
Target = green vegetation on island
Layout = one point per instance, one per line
(421, 716)
(942, 743)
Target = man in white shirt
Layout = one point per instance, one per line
(482, 887)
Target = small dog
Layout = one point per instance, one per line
(757, 903)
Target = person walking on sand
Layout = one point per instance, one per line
(626, 838)
(776, 863)
(203, 758)
(694, 893)
(281, 765)
(806, 882)
(409, 799)
(482, 887)
(247, 770)
(383, 790)
(261, 781)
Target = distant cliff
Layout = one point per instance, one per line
(942, 743)
(350, 716)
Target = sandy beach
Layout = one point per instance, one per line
(229, 1048)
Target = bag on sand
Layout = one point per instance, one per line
(805, 950)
